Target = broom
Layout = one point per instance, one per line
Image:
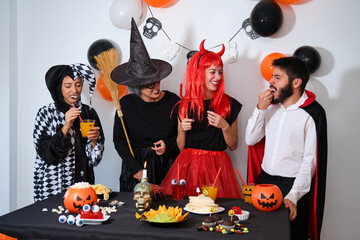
(106, 62)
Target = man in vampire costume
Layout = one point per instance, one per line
(287, 138)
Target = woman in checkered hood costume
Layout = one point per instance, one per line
(63, 156)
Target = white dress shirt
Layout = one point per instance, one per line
(290, 147)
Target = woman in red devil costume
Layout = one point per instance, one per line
(207, 125)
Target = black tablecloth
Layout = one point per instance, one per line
(32, 223)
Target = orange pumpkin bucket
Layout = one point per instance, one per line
(78, 195)
(266, 197)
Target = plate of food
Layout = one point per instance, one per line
(163, 216)
(94, 221)
(202, 205)
(204, 210)
(161, 220)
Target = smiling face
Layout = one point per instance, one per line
(71, 89)
(151, 92)
(213, 76)
(280, 86)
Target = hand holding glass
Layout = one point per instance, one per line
(86, 125)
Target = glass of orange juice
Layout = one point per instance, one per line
(210, 191)
(86, 125)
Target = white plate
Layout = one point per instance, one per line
(216, 211)
(94, 221)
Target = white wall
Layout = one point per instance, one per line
(5, 105)
(53, 32)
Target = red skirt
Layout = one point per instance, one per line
(200, 167)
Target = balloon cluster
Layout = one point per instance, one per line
(308, 54)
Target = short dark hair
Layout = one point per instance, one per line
(294, 67)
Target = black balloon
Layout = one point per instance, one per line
(310, 56)
(96, 48)
(266, 18)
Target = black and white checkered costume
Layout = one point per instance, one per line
(85, 72)
(62, 161)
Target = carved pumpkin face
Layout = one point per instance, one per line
(266, 197)
(76, 198)
(247, 190)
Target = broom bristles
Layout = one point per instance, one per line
(106, 62)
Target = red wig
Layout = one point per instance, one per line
(193, 101)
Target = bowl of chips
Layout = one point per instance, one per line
(163, 216)
(102, 191)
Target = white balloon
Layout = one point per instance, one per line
(121, 12)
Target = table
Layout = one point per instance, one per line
(31, 222)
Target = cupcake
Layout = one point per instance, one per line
(218, 218)
(235, 219)
(209, 221)
(227, 224)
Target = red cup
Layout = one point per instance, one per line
(178, 192)
(178, 189)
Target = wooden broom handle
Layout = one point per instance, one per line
(120, 114)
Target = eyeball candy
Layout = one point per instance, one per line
(86, 208)
(62, 219)
(70, 220)
(182, 182)
(174, 182)
(79, 222)
(95, 208)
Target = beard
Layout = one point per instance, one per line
(284, 93)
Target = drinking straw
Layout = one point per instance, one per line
(217, 175)
(79, 115)
(178, 173)
(240, 178)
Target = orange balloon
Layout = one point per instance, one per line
(158, 3)
(104, 92)
(288, 1)
(266, 65)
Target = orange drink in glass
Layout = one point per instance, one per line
(247, 190)
(86, 126)
(210, 191)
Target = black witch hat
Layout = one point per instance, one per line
(140, 69)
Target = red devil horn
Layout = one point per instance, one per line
(202, 48)
(221, 51)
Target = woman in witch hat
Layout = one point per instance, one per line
(63, 156)
(148, 123)
(207, 126)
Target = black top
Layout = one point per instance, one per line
(146, 123)
(207, 137)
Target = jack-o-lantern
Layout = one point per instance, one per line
(266, 197)
(78, 195)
